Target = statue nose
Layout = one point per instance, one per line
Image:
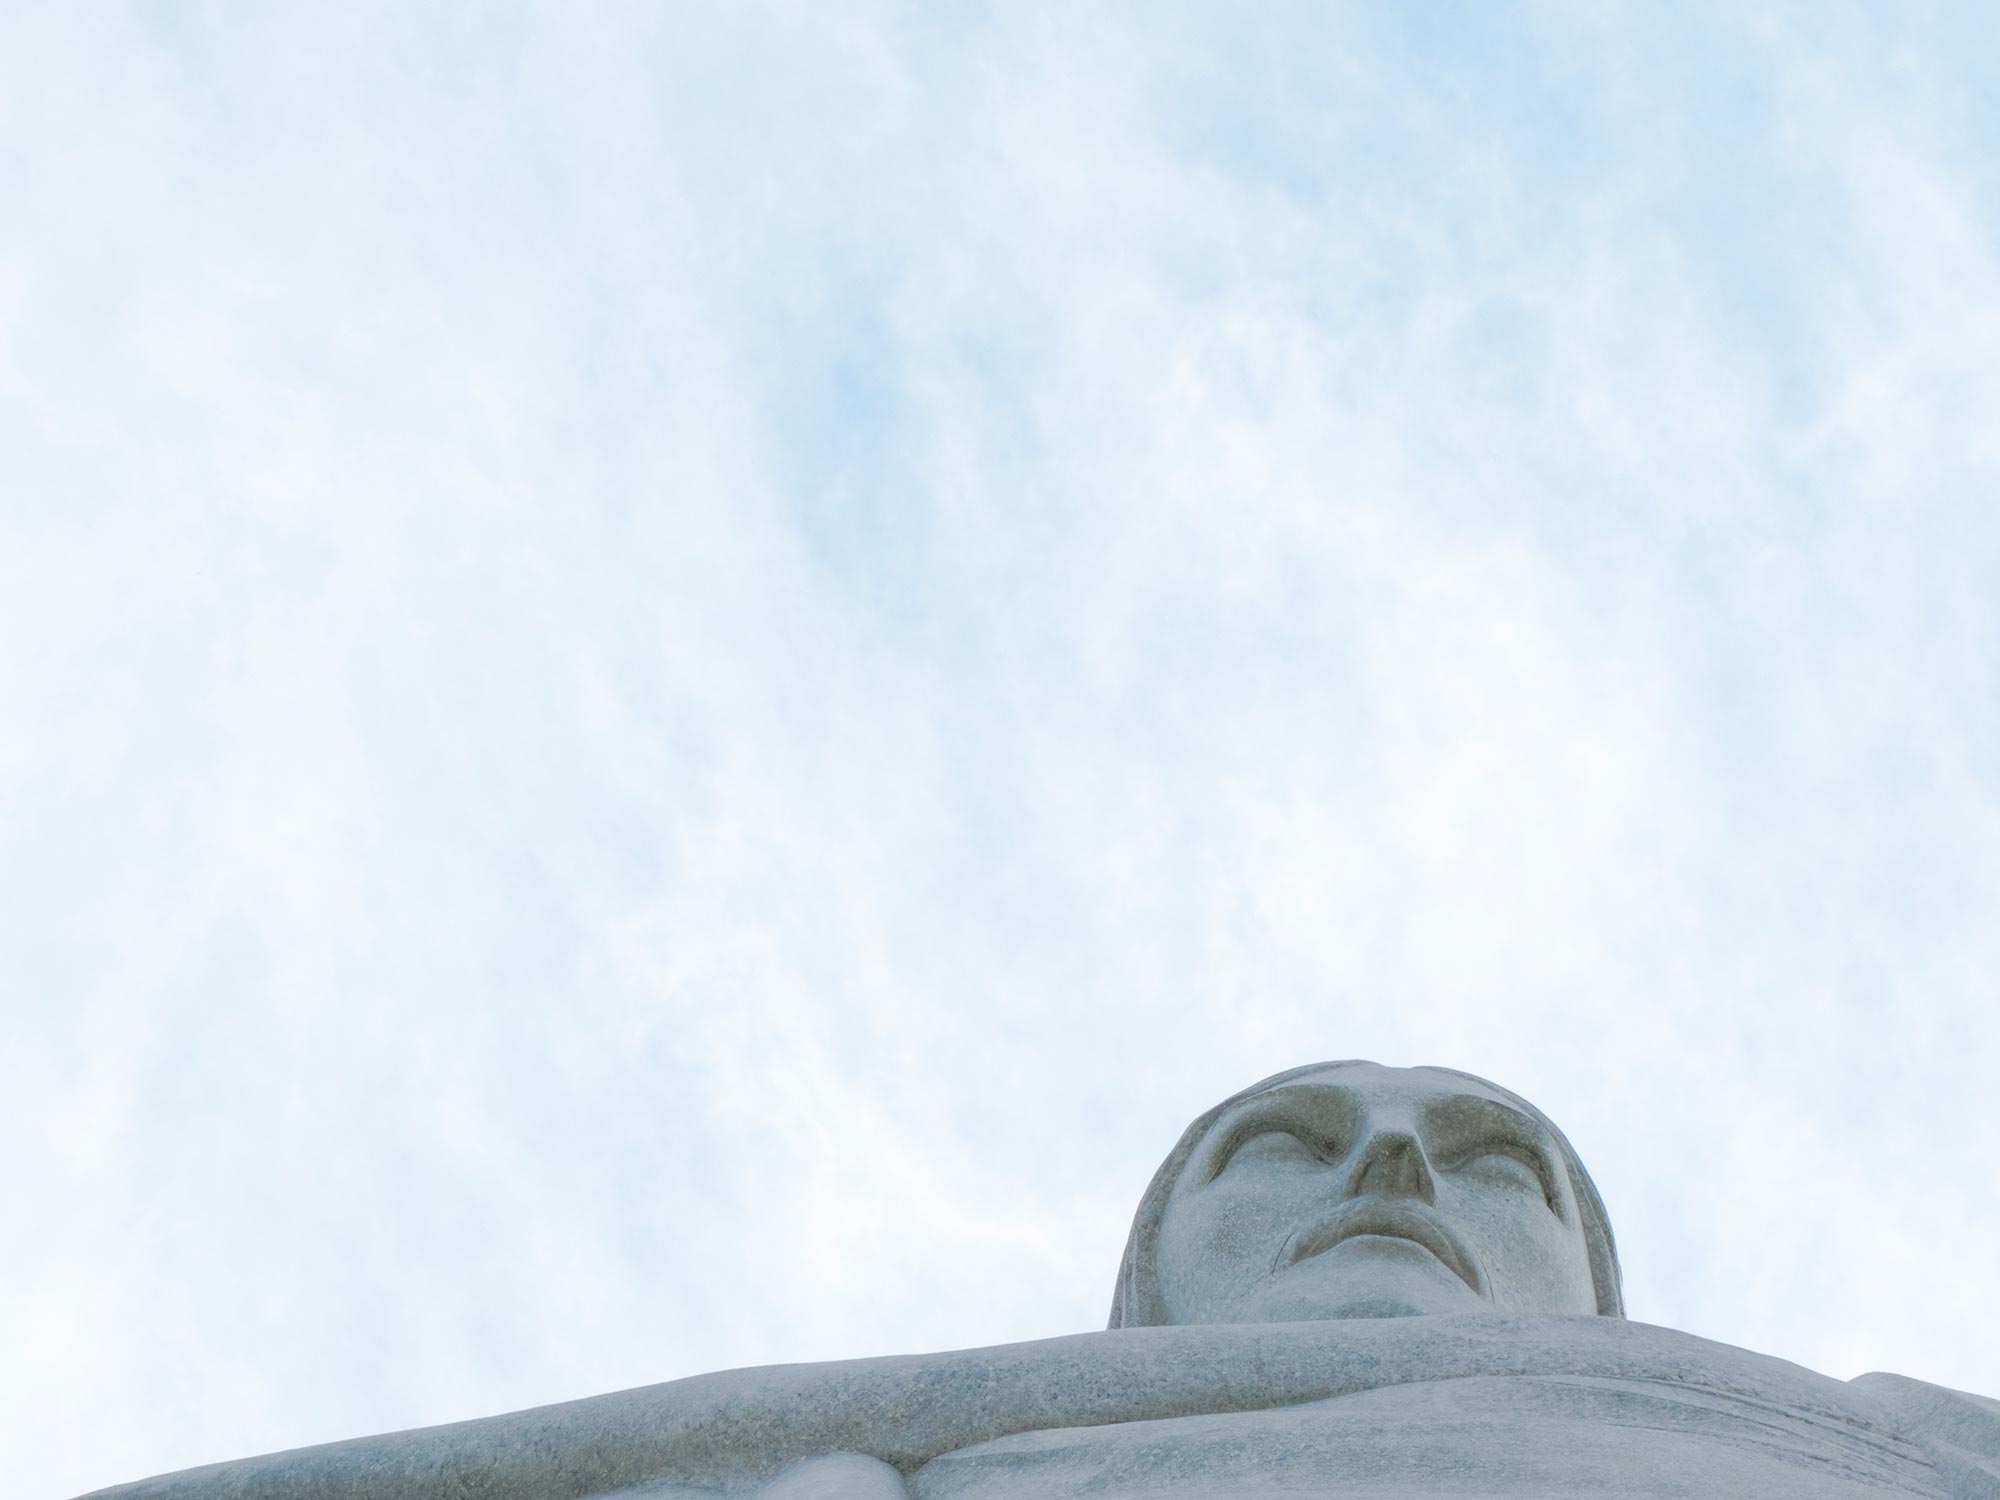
(1393, 1165)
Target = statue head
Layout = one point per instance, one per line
(1344, 1190)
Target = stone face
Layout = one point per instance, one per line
(1360, 1191)
(1346, 1280)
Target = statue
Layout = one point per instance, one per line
(1347, 1280)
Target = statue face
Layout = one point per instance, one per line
(1372, 1192)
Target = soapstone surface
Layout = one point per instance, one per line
(1346, 1280)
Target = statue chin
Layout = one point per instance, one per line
(1350, 1282)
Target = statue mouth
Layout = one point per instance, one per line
(1388, 1220)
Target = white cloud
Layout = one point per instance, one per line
(674, 684)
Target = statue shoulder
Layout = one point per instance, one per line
(1959, 1430)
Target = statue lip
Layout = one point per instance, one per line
(1390, 1220)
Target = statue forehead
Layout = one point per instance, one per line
(1370, 1080)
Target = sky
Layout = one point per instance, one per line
(676, 679)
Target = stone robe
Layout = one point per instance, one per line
(1442, 1408)
(1583, 1408)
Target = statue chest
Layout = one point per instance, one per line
(1496, 1437)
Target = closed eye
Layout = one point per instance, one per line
(1274, 1147)
(1306, 1122)
(1509, 1161)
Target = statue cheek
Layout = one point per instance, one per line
(1255, 1231)
(1218, 1246)
(1537, 1268)
(1222, 1247)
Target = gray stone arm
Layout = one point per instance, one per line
(738, 1429)
(1960, 1431)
